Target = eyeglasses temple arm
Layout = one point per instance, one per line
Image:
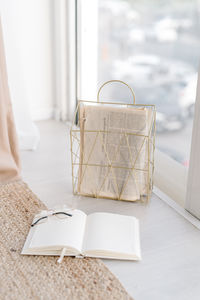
(38, 221)
(61, 212)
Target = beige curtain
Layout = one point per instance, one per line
(9, 154)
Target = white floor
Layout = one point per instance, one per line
(170, 268)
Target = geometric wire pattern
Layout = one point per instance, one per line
(82, 166)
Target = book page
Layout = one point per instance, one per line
(57, 232)
(112, 144)
(111, 233)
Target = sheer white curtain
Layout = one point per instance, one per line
(28, 46)
(27, 131)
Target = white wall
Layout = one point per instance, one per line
(27, 29)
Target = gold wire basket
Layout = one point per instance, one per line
(112, 149)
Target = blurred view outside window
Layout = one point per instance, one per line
(154, 46)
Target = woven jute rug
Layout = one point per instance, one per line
(40, 277)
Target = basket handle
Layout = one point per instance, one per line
(120, 81)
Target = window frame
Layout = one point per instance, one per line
(192, 202)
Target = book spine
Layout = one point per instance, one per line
(79, 256)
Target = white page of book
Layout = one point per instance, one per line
(113, 233)
(60, 232)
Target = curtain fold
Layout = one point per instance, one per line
(9, 153)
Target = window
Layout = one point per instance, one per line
(152, 45)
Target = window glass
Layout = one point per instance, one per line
(154, 46)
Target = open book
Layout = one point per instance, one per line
(99, 234)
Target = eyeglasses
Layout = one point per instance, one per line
(58, 214)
